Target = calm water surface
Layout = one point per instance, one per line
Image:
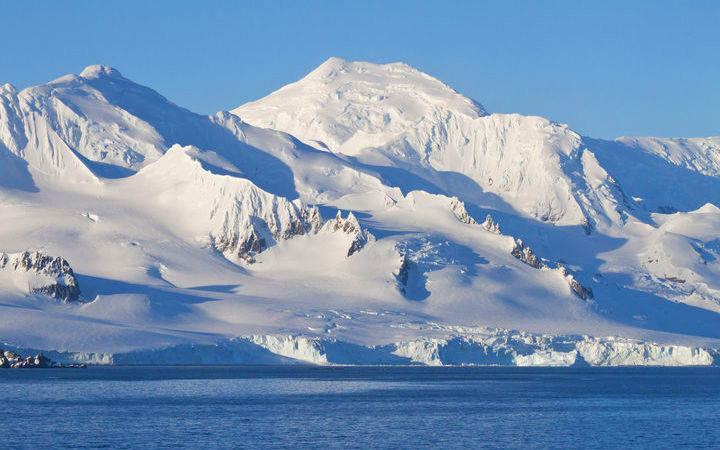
(310, 407)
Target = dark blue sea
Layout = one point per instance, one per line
(365, 407)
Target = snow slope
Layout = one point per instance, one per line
(365, 214)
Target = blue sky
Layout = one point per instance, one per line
(606, 68)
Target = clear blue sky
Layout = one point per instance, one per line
(606, 68)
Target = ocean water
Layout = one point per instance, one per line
(359, 407)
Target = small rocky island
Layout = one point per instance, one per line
(11, 360)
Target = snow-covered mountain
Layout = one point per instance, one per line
(394, 116)
(364, 214)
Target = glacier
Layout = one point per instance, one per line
(365, 214)
(486, 347)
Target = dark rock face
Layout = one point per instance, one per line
(458, 208)
(356, 245)
(403, 274)
(12, 360)
(350, 226)
(312, 219)
(244, 247)
(254, 243)
(579, 290)
(65, 286)
(675, 280)
(526, 255)
(254, 235)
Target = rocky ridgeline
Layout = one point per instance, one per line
(525, 254)
(253, 235)
(47, 275)
(245, 235)
(579, 290)
(351, 227)
(458, 208)
(491, 226)
(11, 360)
(520, 251)
(242, 219)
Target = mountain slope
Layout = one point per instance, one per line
(240, 219)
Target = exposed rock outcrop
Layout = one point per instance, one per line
(43, 274)
(351, 227)
(11, 360)
(525, 254)
(491, 226)
(240, 218)
(458, 208)
(579, 290)
(403, 274)
(244, 236)
(312, 218)
(252, 221)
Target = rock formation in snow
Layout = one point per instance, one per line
(351, 227)
(403, 273)
(42, 274)
(525, 254)
(458, 208)
(579, 290)
(490, 225)
(11, 360)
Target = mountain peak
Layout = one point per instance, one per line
(100, 71)
(335, 66)
(7, 87)
(349, 106)
(333, 62)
